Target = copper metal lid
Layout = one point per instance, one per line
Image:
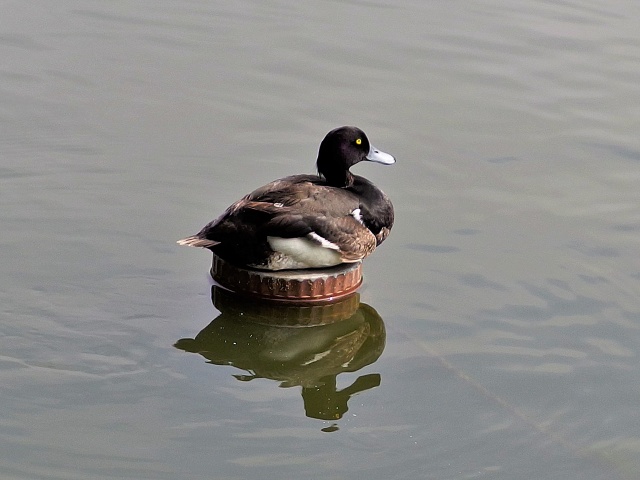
(290, 286)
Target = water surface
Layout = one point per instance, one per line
(498, 328)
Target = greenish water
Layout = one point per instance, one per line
(497, 330)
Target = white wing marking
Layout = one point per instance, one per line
(323, 241)
(356, 214)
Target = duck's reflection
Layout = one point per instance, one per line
(306, 346)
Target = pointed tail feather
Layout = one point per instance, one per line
(195, 241)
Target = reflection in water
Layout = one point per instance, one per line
(307, 346)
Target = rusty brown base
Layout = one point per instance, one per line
(289, 286)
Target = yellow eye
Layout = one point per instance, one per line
(358, 141)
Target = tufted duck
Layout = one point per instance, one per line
(307, 221)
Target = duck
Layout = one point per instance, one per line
(307, 221)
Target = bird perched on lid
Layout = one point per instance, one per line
(307, 221)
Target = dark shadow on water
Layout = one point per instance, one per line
(432, 248)
(305, 346)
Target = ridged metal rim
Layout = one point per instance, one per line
(289, 286)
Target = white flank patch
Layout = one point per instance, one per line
(323, 241)
(356, 214)
(304, 253)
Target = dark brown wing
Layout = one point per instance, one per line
(296, 206)
(344, 234)
(354, 240)
(306, 194)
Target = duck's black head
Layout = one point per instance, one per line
(341, 149)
